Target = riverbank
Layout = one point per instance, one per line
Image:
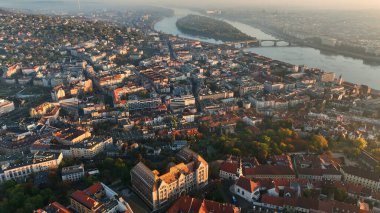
(367, 59)
(371, 60)
(351, 68)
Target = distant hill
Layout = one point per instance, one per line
(211, 28)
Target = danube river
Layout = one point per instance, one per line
(353, 70)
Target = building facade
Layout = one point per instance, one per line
(365, 178)
(39, 162)
(6, 106)
(72, 173)
(160, 190)
(98, 198)
(247, 189)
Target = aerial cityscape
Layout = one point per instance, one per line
(209, 106)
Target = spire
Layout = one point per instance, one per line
(340, 80)
(240, 170)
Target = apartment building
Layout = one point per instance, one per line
(216, 95)
(46, 110)
(120, 92)
(39, 162)
(73, 173)
(360, 176)
(88, 148)
(144, 104)
(6, 106)
(184, 101)
(71, 136)
(58, 93)
(98, 198)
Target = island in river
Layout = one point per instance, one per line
(211, 28)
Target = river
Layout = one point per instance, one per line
(352, 70)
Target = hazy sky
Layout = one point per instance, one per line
(297, 4)
(310, 4)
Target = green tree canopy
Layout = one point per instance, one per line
(319, 142)
(360, 143)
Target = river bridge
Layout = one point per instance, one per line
(261, 43)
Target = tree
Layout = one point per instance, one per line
(360, 143)
(351, 152)
(90, 180)
(236, 152)
(266, 139)
(307, 193)
(263, 150)
(23, 197)
(285, 133)
(319, 142)
(283, 147)
(340, 194)
(275, 149)
(53, 177)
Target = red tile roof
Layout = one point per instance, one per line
(247, 184)
(360, 172)
(186, 204)
(326, 206)
(375, 195)
(57, 208)
(345, 207)
(276, 201)
(268, 170)
(94, 188)
(229, 167)
(308, 203)
(354, 188)
(84, 199)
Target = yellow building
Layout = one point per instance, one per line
(71, 136)
(58, 93)
(160, 190)
(46, 109)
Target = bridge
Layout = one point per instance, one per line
(261, 43)
(274, 43)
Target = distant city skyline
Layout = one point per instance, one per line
(292, 4)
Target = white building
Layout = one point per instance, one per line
(184, 101)
(144, 104)
(72, 173)
(247, 189)
(252, 121)
(230, 170)
(6, 106)
(39, 162)
(88, 148)
(177, 145)
(98, 198)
